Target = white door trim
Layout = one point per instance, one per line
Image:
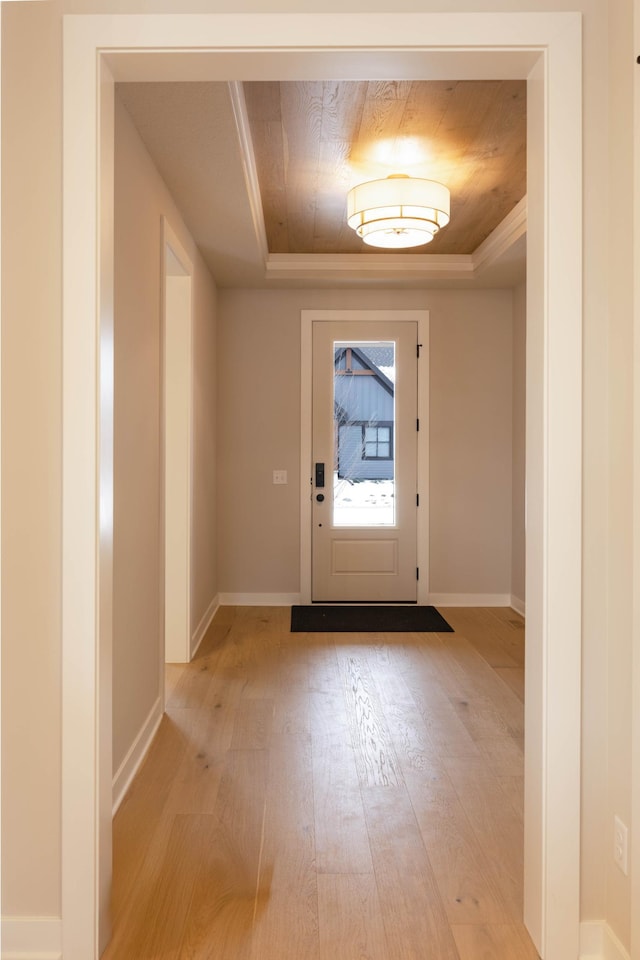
(635, 680)
(307, 319)
(143, 46)
(177, 447)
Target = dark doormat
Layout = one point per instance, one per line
(323, 618)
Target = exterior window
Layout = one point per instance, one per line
(377, 442)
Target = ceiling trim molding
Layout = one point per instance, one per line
(502, 238)
(247, 155)
(289, 266)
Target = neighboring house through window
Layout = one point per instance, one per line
(364, 410)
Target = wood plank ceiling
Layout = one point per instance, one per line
(314, 140)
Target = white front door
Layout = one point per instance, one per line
(364, 470)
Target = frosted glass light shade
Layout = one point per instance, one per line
(399, 211)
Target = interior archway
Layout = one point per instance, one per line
(546, 50)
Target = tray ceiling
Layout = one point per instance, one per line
(315, 140)
(261, 170)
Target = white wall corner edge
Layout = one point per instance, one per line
(31, 938)
(135, 755)
(518, 605)
(599, 942)
(259, 599)
(470, 599)
(204, 624)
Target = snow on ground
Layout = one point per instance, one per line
(363, 503)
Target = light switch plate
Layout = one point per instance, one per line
(280, 476)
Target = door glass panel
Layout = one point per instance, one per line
(364, 425)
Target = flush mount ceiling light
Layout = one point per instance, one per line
(400, 211)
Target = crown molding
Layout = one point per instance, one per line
(502, 238)
(247, 155)
(357, 266)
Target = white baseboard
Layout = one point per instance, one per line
(135, 755)
(518, 605)
(470, 599)
(259, 599)
(599, 942)
(31, 938)
(203, 626)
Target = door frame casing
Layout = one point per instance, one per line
(307, 319)
(99, 47)
(175, 517)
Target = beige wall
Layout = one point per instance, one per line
(470, 450)
(518, 443)
(141, 199)
(31, 431)
(31, 462)
(259, 431)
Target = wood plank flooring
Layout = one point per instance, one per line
(330, 797)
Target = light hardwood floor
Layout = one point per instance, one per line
(330, 797)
